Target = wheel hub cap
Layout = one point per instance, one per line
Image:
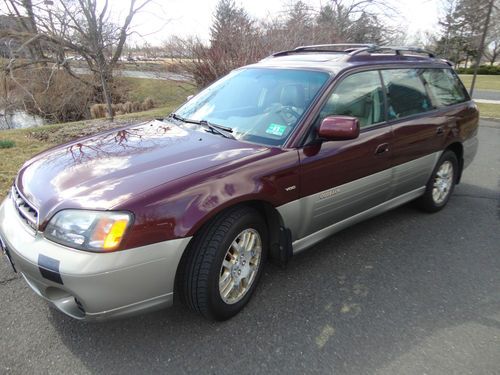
(240, 266)
(442, 182)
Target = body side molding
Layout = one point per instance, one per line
(314, 238)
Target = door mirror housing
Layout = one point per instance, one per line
(339, 128)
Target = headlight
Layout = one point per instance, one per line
(88, 230)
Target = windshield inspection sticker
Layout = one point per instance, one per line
(276, 129)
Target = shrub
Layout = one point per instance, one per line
(53, 95)
(483, 70)
(147, 104)
(6, 143)
(128, 107)
(98, 110)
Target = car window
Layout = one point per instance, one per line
(260, 105)
(406, 94)
(359, 95)
(444, 87)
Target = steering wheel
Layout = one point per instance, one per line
(288, 109)
(286, 112)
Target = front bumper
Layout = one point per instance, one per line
(87, 285)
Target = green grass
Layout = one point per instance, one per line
(489, 110)
(483, 82)
(7, 143)
(12, 158)
(163, 92)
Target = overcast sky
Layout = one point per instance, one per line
(194, 17)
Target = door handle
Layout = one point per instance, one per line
(440, 130)
(384, 147)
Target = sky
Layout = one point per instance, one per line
(163, 18)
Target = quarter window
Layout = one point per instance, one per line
(406, 94)
(359, 95)
(444, 87)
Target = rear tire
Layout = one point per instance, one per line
(441, 184)
(220, 271)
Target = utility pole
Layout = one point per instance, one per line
(491, 3)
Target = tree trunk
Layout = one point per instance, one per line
(482, 45)
(105, 79)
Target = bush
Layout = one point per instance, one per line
(148, 103)
(101, 110)
(6, 143)
(57, 96)
(483, 70)
(98, 111)
(53, 95)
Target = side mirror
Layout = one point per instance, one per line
(339, 128)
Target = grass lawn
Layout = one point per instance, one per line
(163, 92)
(489, 110)
(484, 82)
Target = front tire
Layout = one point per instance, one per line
(441, 183)
(223, 266)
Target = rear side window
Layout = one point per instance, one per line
(359, 95)
(444, 87)
(406, 93)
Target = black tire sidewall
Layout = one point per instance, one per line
(217, 307)
(429, 202)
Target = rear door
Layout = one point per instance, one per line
(342, 178)
(417, 134)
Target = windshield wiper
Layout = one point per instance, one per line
(215, 128)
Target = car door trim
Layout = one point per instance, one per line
(410, 178)
(312, 239)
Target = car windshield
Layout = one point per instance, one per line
(259, 105)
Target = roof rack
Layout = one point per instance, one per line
(339, 48)
(354, 49)
(397, 50)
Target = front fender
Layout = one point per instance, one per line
(178, 209)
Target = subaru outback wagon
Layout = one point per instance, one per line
(262, 164)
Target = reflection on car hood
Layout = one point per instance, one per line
(107, 169)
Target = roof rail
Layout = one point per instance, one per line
(340, 47)
(397, 50)
(354, 49)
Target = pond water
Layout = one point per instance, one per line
(18, 120)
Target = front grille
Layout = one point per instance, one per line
(27, 212)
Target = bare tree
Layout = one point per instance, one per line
(492, 51)
(487, 11)
(234, 41)
(73, 27)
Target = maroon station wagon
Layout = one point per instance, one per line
(264, 163)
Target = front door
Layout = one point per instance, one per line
(342, 178)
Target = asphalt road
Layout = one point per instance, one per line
(403, 293)
(487, 94)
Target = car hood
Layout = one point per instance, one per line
(104, 170)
